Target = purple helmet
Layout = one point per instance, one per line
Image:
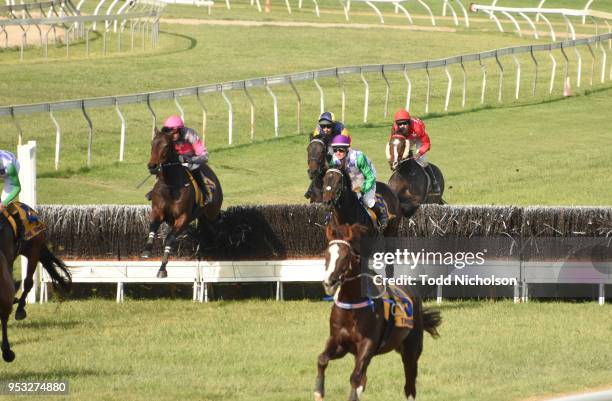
(341, 141)
(174, 122)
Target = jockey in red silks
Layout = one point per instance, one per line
(190, 148)
(413, 129)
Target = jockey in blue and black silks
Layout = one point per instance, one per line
(361, 172)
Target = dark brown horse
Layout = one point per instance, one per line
(317, 166)
(7, 293)
(35, 250)
(357, 323)
(174, 197)
(346, 207)
(409, 180)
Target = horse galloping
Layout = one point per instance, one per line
(346, 207)
(35, 250)
(175, 198)
(409, 180)
(357, 323)
(317, 166)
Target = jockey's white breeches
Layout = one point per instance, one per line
(369, 198)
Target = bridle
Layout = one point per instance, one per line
(338, 193)
(342, 280)
(319, 160)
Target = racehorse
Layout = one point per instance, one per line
(316, 168)
(409, 180)
(346, 207)
(35, 250)
(174, 198)
(358, 325)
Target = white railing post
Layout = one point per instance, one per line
(366, 99)
(230, 118)
(275, 100)
(408, 89)
(27, 177)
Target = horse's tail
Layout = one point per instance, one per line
(58, 271)
(431, 320)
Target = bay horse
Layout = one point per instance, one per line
(35, 250)
(357, 324)
(346, 207)
(317, 166)
(174, 197)
(409, 180)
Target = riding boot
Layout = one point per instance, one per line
(435, 185)
(308, 193)
(199, 177)
(381, 214)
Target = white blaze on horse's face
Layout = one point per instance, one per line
(395, 154)
(334, 255)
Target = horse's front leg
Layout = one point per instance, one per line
(179, 225)
(148, 248)
(33, 256)
(333, 350)
(365, 352)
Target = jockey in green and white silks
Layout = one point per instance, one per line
(9, 172)
(358, 167)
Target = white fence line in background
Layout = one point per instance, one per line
(599, 396)
(203, 273)
(27, 177)
(378, 70)
(142, 15)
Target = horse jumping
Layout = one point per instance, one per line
(346, 207)
(357, 323)
(409, 181)
(175, 198)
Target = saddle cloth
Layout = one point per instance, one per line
(32, 226)
(380, 202)
(210, 188)
(398, 305)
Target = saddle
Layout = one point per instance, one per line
(19, 215)
(202, 195)
(399, 308)
(380, 202)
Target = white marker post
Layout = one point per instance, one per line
(27, 177)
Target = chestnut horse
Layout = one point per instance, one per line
(317, 166)
(409, 180)
(346, 207)
(357, 324)
(174, 197)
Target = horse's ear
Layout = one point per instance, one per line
(349, 233)
(329, 232)
(157, 132)
(357, 230)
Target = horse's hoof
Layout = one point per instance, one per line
(8, 355)
(146, 255)
(318, 396)
(162, 274)
(20, 314)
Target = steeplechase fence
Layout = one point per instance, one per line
(285, 243)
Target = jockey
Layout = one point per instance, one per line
(362, 173)
(9, 172)
(190, 148)
(325, 130)
(413, 129)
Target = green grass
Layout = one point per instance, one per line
(254, 350)
(559, 147)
